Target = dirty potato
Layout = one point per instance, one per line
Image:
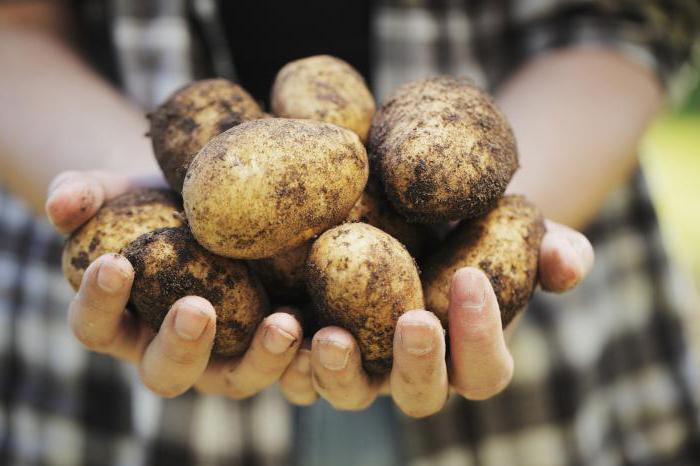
(115, 225)
(442, 150)
(266, 186)
(372, 208)
(169, 265)
(324, 88)
(282, 275)
(362, 279)
(191, 117)
(504, 244)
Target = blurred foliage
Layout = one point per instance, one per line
(671, 161)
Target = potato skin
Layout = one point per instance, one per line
(115, 225)
(193, 115)
(372, 208)
(282, 275)
(324, 88)
(504, 244)
(169, 265)
(362, 279)
(266, 186)
(442, 150)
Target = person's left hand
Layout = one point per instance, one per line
(480, 364)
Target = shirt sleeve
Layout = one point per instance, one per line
(658, 34)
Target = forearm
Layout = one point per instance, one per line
(578, 116)
(56, 114)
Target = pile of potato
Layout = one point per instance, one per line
(294, 208)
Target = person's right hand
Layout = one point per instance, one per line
(177, 357)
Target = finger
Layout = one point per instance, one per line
(74, 197)
(178, 355)
(566, 257)
(419, 383)
(337, 372)
(480, 363)
(97, 316)
(273, 348)
(296, 383)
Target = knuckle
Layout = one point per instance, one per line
(269, 369)
(478, 333)
(91, 340)
(180, 357)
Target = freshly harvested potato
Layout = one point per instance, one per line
(115, 225)
(191, 117)
(324, 88)
(362, 279)
(169, 265)
(266, 186)
(504, 244)
(282, 275)
(442, 150)
(372, 208)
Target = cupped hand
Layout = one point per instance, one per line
(178, 356)
(480, 364)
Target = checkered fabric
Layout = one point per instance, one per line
(605, 374)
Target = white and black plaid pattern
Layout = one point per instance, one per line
(605, 374)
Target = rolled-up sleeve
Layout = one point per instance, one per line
(659, 34)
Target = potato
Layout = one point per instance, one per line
(282, 276)
(191, 117)
(267, 186)
(362, 279)
(115, 225)
(169, 265)
(324, 88)
(372, 208)
(504, 244)
(442, 150)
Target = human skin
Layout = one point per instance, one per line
(177, 357)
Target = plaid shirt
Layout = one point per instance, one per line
(605, 374)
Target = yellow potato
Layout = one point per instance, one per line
(267, 186)
(191, 117)
(169, 265)
(115, 225)
(372, 208)
(442, 149)
(282, 276)
(362, 279)
(324, 88)
(505, 244)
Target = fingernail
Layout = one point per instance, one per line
(302, 363)
(276, 340)
(333, 355)
(190, 322)
(577, 253)
(59, 182)
(416, 338)
(111, 275)
(470, 289)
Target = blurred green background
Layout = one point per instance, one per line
(671, 161)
